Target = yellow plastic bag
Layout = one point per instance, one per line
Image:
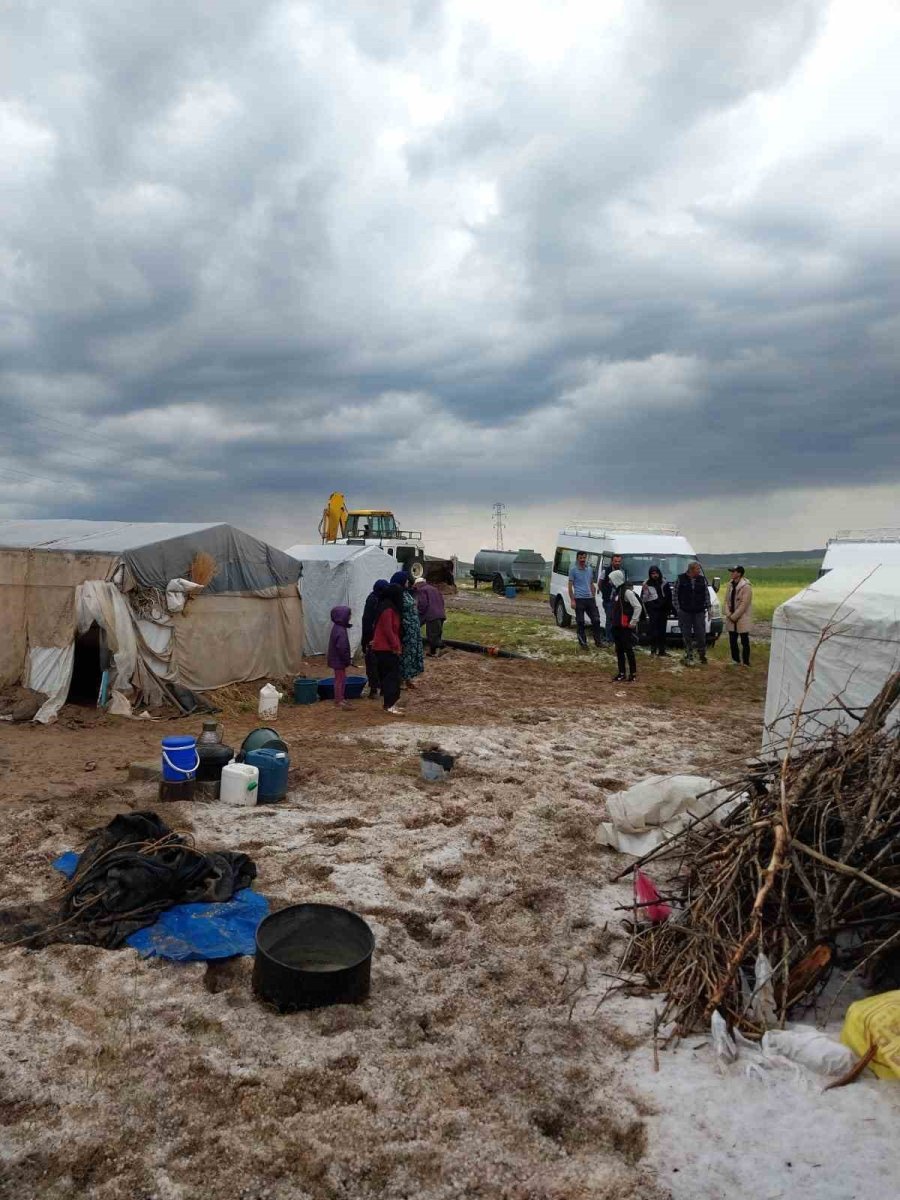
(876, 1021)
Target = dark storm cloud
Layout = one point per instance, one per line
(253, 252)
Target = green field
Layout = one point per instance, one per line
(773, 585)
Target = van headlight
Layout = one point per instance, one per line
(715, 608)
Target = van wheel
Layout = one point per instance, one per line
(498, 585)
(563, 619)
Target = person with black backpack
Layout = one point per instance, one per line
(625, 612)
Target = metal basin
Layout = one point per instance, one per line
(310, 955)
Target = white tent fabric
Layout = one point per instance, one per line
(334, 575)
(862, 606)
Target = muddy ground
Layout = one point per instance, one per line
(481, 1066)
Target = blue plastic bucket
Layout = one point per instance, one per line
(306, 691)
(180, 759)
(511, 593)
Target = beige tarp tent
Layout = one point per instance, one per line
(58, 578)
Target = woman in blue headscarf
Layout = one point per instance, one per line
(412, 660)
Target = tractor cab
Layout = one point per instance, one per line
(367, 523)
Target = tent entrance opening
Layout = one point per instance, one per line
(86, 671)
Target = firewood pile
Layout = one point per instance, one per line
(805, 870)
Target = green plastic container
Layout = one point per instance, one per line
(306, 691)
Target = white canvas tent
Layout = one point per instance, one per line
(62, 579)
(334, 575)
(862, 605)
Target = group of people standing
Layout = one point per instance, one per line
(396, 613)
(629, 611)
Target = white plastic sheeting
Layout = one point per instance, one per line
(862, 607)
(334, 575)
(645, 815)
(50, 672)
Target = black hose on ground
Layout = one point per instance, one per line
(477, 648)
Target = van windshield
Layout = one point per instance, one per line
(638, 565)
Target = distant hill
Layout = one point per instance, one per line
(764, 558)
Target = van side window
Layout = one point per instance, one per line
(564, 560)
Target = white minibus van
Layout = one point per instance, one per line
(641, 547)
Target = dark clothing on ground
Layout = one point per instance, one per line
(339, 640)
(128, 874)
(390, 675)
(588, 608)
(434, 633)
(745, 646)
(693, 631)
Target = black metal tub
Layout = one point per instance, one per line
(310, 955)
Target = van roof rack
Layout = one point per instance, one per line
(866, 535)
(586, 527)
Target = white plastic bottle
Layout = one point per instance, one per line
(240, 783)
(268, 702)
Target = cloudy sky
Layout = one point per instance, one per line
(635, 258)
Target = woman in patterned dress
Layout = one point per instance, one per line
(412, 660)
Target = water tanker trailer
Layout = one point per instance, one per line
(522, 569)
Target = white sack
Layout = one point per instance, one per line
(645, 815)
(177, 592)
(810, 1049)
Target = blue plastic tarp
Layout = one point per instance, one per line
(195, 932)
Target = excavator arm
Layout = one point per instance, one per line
(334, 518)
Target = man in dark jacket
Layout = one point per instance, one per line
(370, 613)
(692, 603)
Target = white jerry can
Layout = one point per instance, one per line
(240, 783)
(268, 702)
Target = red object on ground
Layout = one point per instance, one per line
(647, 896)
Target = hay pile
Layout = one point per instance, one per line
(805, 870)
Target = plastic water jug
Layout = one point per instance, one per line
(268, 702)
(273, 768)
(240, 784)
(211, 735)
